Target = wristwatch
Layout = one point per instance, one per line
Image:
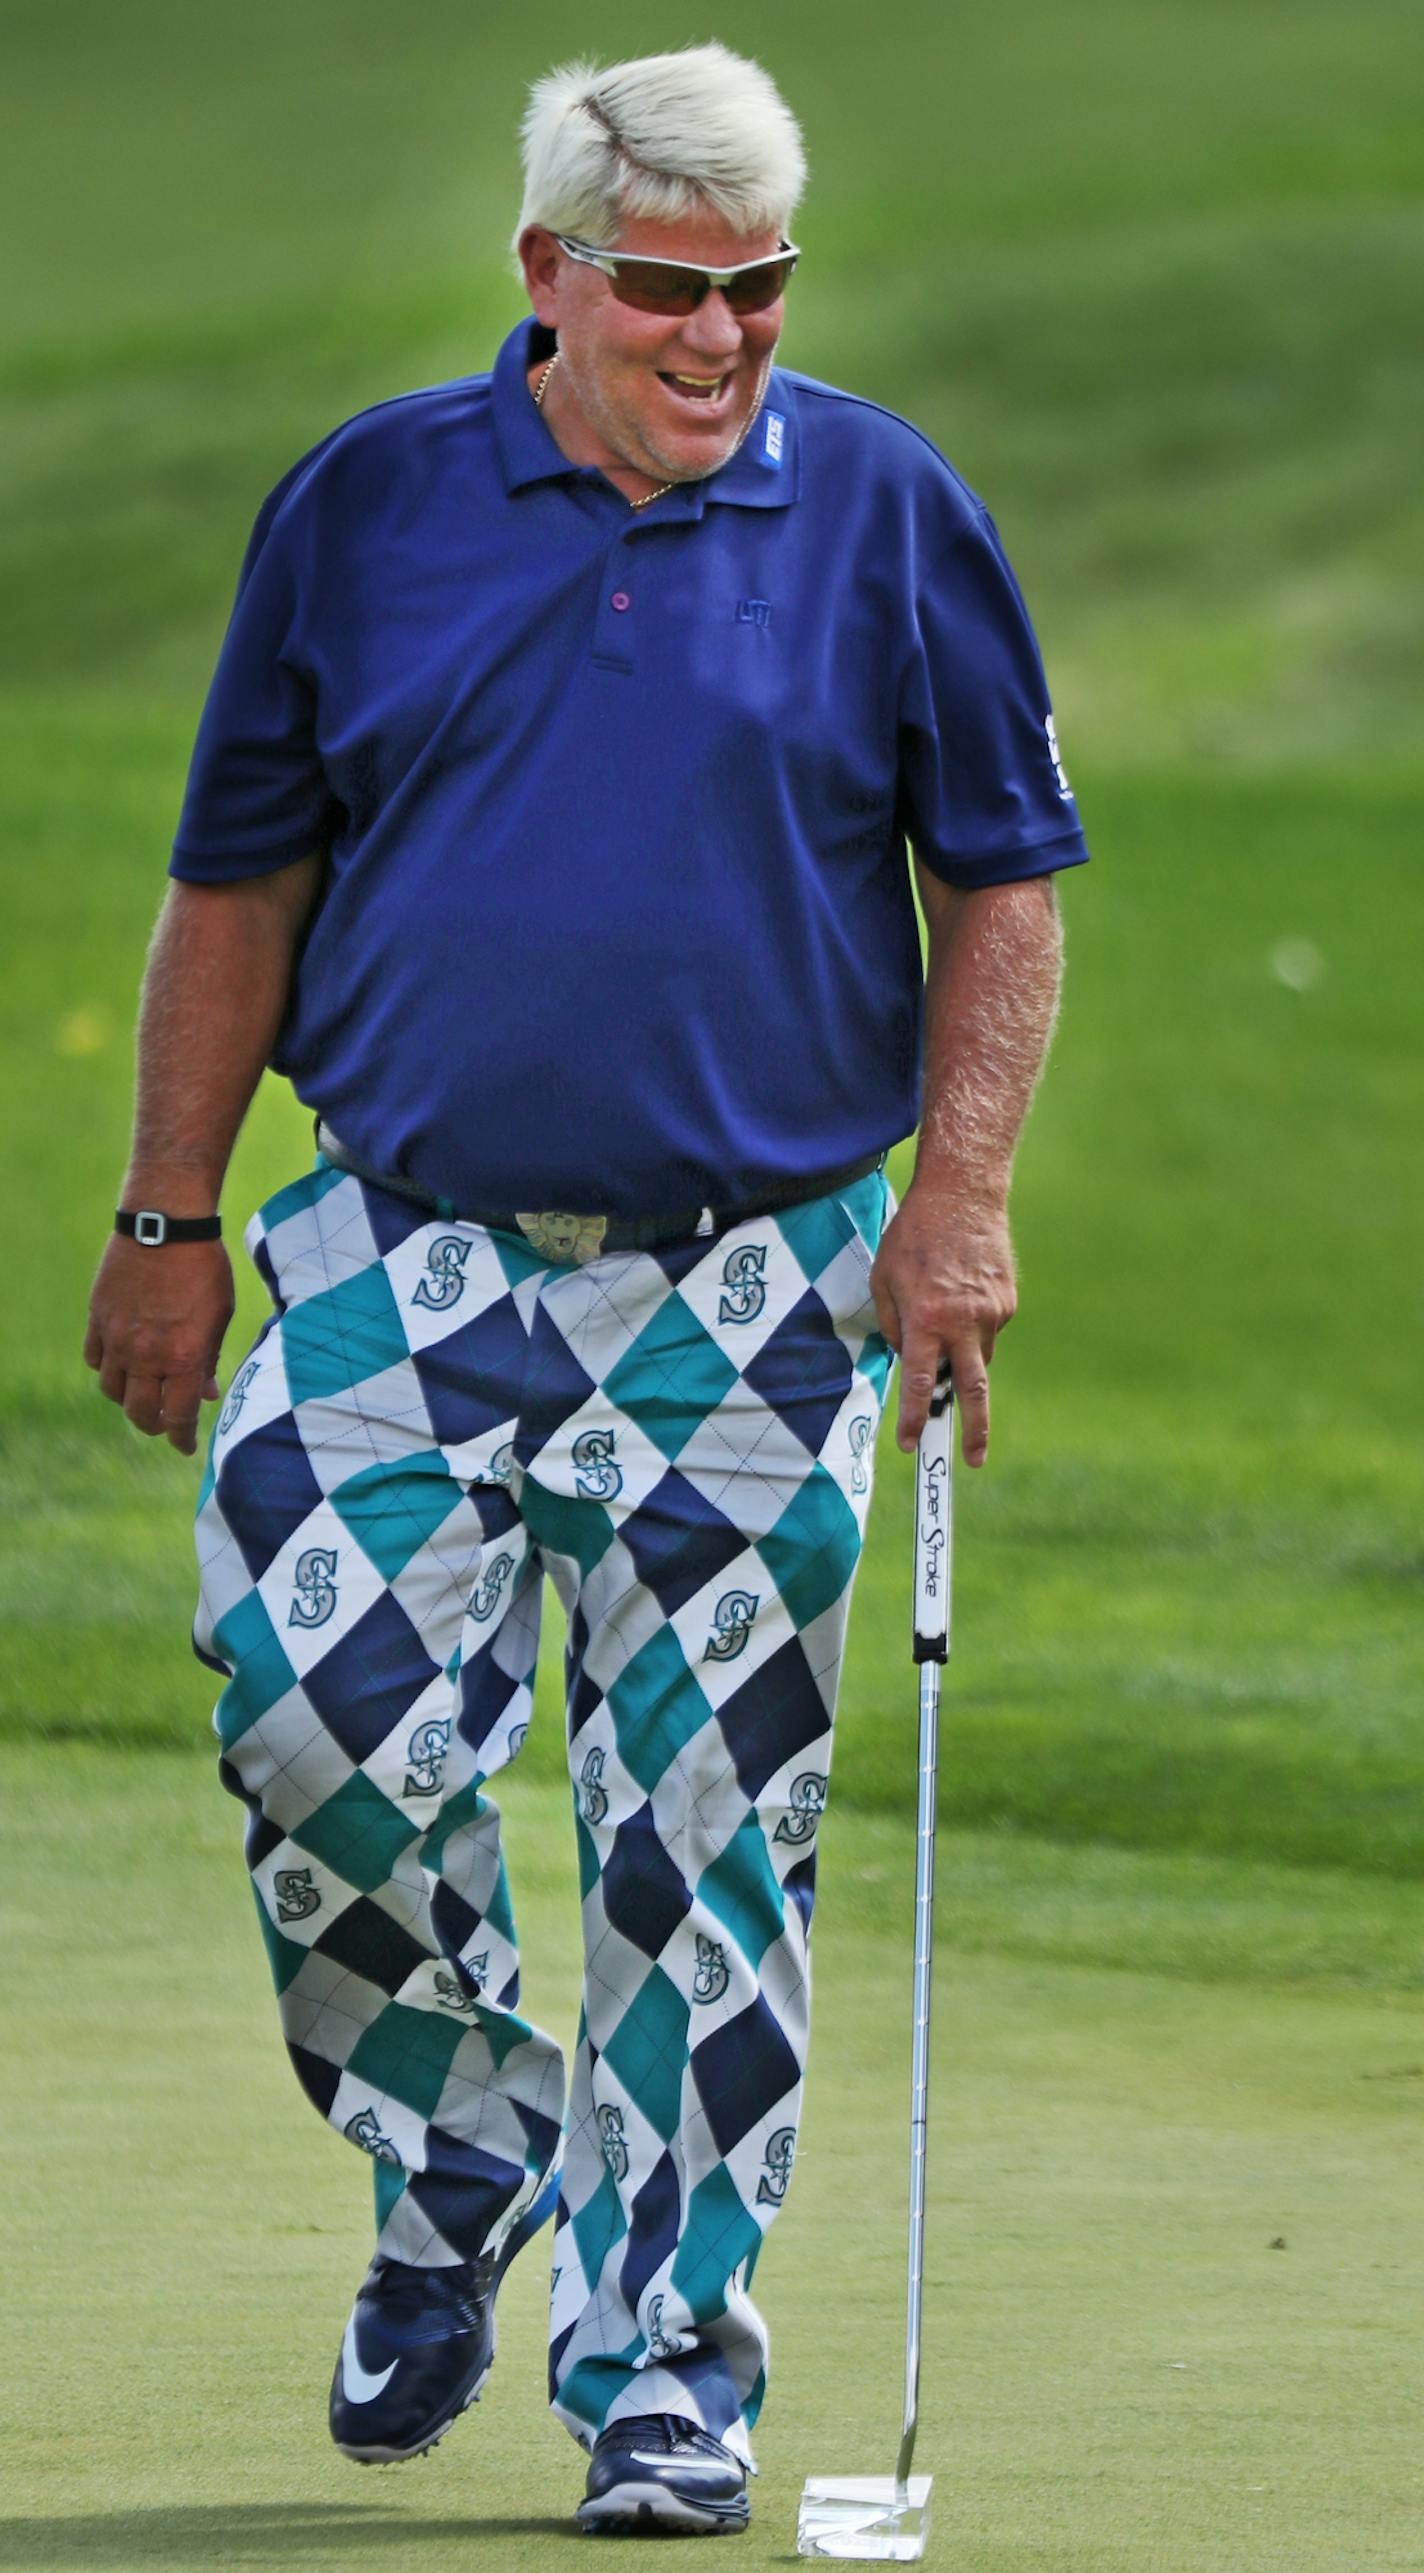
(145, 1224)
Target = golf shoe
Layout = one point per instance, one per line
(418, 2347)
(658, 2472)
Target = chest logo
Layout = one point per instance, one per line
(753, 611)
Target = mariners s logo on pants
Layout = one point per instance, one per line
(611, 2137)
(776, 2167)
(365, 2129)
(297, 1897)
(237, 1393)
(425, 1757)
(860, 1430)
(486, 1598)
(596, 1476)
(314, 1582)
(744, 1276)
(593, 1795)
(713, 1973)
(731, 1624)
(808, 1803)
(663, 2345)
(445, 1282)
(451, 1993)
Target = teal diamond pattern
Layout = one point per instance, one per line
(811, 1552)
(599, 2226)
(817, 1232)
(718, 2232)
(358, 1832)
(301, 1193)
(671, 1377)
(392, 1515)
(741, 1888)
(648, 2050)
(245, 1637)
(339, 1338)
(656, 1707)
(407, 2053)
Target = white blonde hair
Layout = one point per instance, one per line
(667, 136)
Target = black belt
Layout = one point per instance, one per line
(562, 1236)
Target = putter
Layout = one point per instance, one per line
(886, 2518)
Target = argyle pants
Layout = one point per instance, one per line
(434, 1416)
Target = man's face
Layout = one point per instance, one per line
(623, 367)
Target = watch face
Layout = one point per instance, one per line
(149, 1226)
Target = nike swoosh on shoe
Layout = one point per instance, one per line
(686, 2466)
(358, 2384)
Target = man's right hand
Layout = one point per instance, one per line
(156, 1323)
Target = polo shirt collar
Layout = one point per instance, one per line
(765, 472)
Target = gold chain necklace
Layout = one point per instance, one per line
(542, 387)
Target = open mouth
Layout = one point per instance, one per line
(706, 391)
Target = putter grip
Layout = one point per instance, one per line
(933, 1477)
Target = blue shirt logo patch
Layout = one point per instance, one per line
(773, 440)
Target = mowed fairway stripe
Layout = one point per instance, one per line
(1121, 2367)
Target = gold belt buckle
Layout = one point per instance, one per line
(564, 1237)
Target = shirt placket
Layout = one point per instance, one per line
(623, 584)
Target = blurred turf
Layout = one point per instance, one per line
(1170, 2313)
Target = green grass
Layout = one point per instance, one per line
(1147, 2077)
(1149, 273)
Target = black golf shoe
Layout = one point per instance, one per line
(661, 2475)
(418, 2348)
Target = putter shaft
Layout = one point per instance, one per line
(933, 1549)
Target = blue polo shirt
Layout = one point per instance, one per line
(617, 912)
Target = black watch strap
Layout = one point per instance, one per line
(145, 1224)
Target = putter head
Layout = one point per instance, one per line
(864, 2518)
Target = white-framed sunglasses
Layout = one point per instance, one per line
(670, 286)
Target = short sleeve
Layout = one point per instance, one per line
(983, 794)
(257, 796)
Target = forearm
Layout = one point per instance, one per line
(991, 995)
(215, 992)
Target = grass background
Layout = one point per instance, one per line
(1151, 276)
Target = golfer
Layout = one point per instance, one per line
(546, 826)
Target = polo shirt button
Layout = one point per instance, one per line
(620, 600)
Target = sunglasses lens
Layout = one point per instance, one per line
(756, 288)
(676, 291)
(650, 289)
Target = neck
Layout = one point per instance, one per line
(574, 437)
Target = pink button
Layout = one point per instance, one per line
(620, 600)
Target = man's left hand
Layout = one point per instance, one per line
(943, 1283)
